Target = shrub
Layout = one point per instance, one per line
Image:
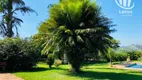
(123, 55)
(57, 62)
(19, 54)
(50, 60)
(116, 56)
(140, 59)
(120, 56)
(134, 55)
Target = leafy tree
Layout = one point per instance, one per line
(77, 27)
(8, 10)
(112, 50)
(41, 38)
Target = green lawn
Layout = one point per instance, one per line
(91, 72)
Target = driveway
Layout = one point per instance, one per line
(8, 76)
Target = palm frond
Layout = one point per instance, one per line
(3, 29)
(78, 25)
(24, 9)
(17, 21)
(18, 2)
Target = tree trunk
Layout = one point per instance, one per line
(9, 19)
(50, 66)
(75, 60)
(75, 69)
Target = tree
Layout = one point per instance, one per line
(112, 50)
(77, 27)
(8, 10)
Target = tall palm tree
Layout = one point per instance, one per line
(8, 11)
(78, 27)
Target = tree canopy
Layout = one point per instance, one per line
(77, 27)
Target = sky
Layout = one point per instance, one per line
(129, 28)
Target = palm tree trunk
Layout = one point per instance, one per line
(9, 19)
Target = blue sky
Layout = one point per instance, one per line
(129, 28)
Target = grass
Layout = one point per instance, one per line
(99, 71)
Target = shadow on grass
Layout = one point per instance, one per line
(91, 75)
(38, 69)
(92, 63)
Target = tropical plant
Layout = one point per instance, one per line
(77, 27)
(9, 22)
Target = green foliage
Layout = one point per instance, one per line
(77, 27)
(2, 3)
(122, 55)
(18, 53)
(38, 43)
(134, 55)
(119, 56)
(50, 60)
(140, 59)
(57, 62)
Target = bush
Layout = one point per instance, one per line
(57, 62)
(116, 56)
(50, 60)
(134, 55)
(140, 59)
(120, 56)
(19, 54)
(123, 55)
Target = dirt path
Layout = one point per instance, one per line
(8, 76)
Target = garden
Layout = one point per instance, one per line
(73, 43)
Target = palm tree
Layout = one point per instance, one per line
(77, 27)
(8, 10)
